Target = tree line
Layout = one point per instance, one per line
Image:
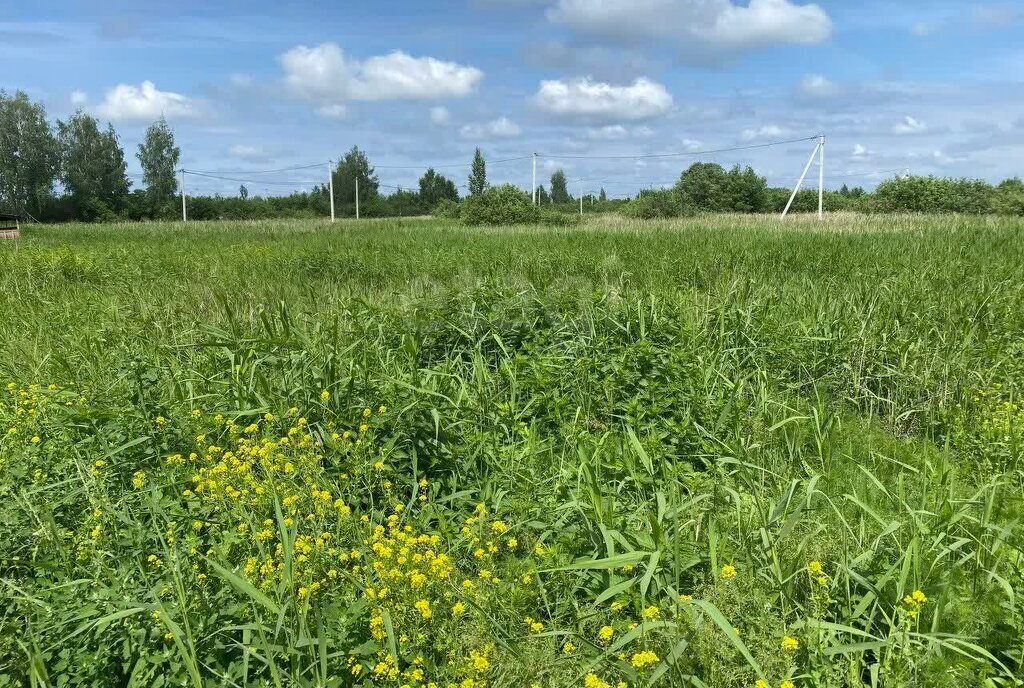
(75, 170)
(84, 159)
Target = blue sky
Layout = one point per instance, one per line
(933, 87)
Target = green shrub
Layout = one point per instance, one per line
(557, 218)
(655, 204)
(934, 195)
(1009, 198)
(806, 201)
(500, 205)
(447, 209)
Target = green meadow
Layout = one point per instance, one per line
(714, 452)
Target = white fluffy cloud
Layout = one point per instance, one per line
(142, 103)
(713, 25)
(817, 87)
(501, 128)
(617, 132)
(323, 75)
(612, 132)
(909, 125)
(79, 98)
(439, 115)
(335, 111)
(767, 131)
(861, 152)
(586, 98)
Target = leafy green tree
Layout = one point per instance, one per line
(92, 167)
(29, 156)
(435, 187)
(542, 196)
(745, 191)
(702, 187)
(159, 159)
(1008, 198)
(1014, 185)
(355, 166)
(559, 188)
(603, 196)
(478, 174)
(243, 192)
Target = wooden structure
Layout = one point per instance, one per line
(10, 226)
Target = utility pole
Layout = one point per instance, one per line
(357, 198)
(184, 213)
(534, 179)
(581, 198)
(796, 189)
(330, 184)
(821, 178)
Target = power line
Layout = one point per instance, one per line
(444, 167)
(283, 169)
(682, 155)
(251, 181)
(631, 181)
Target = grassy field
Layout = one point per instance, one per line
(715, 452)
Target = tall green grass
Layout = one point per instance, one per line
(651, 403)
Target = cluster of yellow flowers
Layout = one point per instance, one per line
(643, 659)
(592, 680)
(300, 507)
(914, 602)
(22, 406)
(1002, 419)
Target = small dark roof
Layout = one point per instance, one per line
(15, 218)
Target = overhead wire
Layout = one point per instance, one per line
(252, 181)
(251, 172)
(451, 166)
(686, 154)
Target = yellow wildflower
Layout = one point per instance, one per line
(423, 607)
(480, 663)
(644, 659)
